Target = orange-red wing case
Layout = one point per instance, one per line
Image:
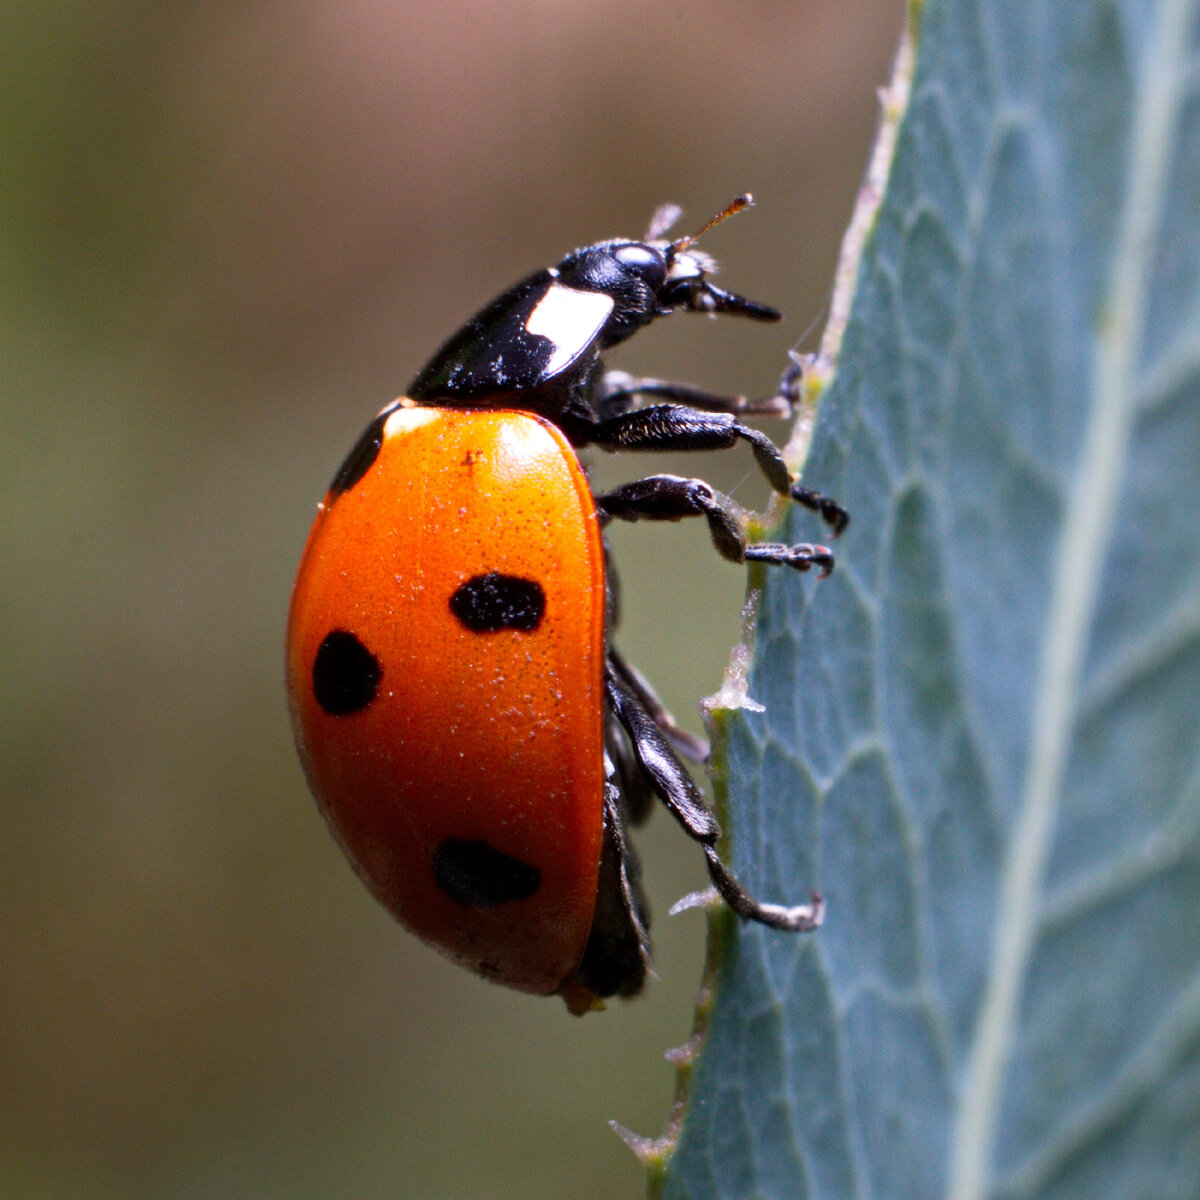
(445, 660)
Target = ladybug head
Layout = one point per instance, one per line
(654, 277)
(633, 274)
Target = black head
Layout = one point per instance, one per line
(654, 277)
(633, 274)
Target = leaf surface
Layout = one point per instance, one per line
(981, 736)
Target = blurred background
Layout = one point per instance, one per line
(229, 233)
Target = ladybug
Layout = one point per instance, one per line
(477, 744)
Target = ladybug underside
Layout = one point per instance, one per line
(477, 743)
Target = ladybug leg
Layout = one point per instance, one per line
(674, 427)
(691, 747)
(675, 788)
(618, 392)
(828, 509)
(636, 795)
(672, 497)
(687, 745)
(617, 956)
(629, 871)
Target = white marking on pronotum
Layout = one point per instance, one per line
(570, 319)
(1091, 512)
(406, 420)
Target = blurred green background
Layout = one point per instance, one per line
(228, 235)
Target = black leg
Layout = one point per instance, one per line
(666, 773)
(674, 427)
(671, 498)
(617, 955)
(624, 772)
(675, 788)
(618, 392)
(830, 511)
(687, 745)
(792, 380)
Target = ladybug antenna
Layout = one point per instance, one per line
(734, 206)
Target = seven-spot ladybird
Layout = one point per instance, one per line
(476, 742)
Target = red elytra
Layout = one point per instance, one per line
(478, 752)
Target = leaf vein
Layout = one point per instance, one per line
(1088, 521)
(1160, 1053)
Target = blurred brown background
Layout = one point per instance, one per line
(229, 234)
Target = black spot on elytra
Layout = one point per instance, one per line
(345, 674)
(359, 460)
(491, 602)
(477, 875)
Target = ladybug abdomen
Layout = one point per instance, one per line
(445, 657)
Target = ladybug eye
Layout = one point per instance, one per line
(644, 261)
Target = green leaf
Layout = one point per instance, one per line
(981, 736)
